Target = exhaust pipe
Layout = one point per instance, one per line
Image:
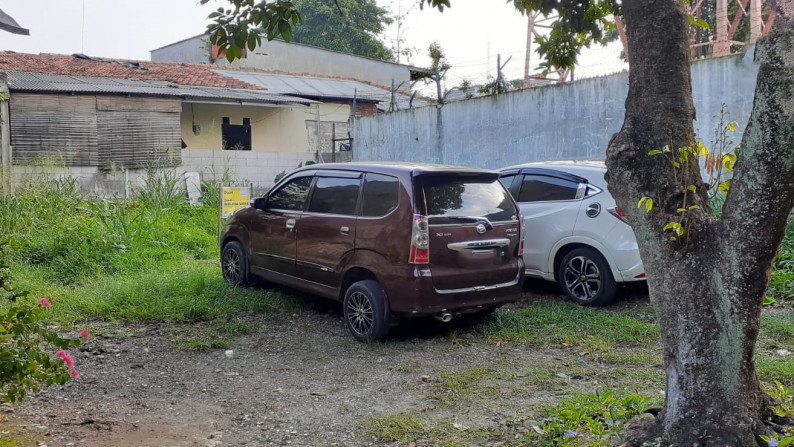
(444, 317)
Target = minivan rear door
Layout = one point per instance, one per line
(474, 230)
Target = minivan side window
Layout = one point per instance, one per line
(507, 180)
(381, 195)
(291, 196)
(333, 195)
(541, 188)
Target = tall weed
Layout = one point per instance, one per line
(160, 189)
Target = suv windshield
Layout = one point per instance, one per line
(447, 200)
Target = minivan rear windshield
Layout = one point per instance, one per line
(448, 199)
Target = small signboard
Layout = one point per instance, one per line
(233, 198)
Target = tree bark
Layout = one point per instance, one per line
(707, 287)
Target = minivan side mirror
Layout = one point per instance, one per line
(259, 203)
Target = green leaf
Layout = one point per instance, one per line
(676, 164)
(702, 149)
(731, 127)
(700, 23)
(694, 207)
(639, 204)
(648, 205)
(680, 210)
(654, 152)
(768, 301)
(692, 188)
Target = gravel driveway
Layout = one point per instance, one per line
(299, 379)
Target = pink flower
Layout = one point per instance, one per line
(44, 302)
(85, 333)
(61, 354)
(75, 374)
(68, 359)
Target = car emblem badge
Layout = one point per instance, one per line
(481, 228)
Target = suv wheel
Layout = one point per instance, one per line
(234, 264)
(585, 277)
(365, 311)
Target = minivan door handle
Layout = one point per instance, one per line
(290, 223)
(344, 230)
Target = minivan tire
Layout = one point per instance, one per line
(234, 264)
(365, 311)
(585, 277)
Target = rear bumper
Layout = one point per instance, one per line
(632, 273)
(414, 294)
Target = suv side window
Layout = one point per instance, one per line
(381, 195)
(541, 188)
(291, 196)
(334, 195)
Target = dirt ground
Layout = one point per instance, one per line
(299, 379)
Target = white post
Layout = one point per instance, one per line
(5, 139)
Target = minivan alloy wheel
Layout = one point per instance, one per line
(585, 277)
(233, 264)
(365, 308)
(359, 313)
(582, 278)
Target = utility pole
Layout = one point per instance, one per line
(530, 28)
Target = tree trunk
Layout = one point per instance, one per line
(707, 286)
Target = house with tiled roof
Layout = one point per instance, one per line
(97, 118)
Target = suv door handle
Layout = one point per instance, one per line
(290, 223)
(344, 230)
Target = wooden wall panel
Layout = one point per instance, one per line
(133, 137)
(54, 129)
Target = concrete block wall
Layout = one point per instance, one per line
(259, 168)
(557, 122)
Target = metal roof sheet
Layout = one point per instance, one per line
(37, 82)
(319, 87)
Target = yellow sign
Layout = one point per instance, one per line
(233, 199)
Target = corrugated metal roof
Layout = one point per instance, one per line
(37, 82)
(320, 88)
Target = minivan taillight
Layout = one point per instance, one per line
(523, 234)
(420, 241)
(617, 212)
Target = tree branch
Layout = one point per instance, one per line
(761, 195)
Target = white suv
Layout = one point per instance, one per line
(575, 233)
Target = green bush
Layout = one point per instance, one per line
(781, 283)
(27, 344)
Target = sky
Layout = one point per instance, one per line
(472, 32)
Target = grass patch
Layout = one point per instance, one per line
(456, 387)
(559, 323)
(592, 419)
(198, 340)
(409, 427)
(150, 259)
(777, 329)
(773, 367)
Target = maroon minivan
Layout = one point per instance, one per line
(389, 240)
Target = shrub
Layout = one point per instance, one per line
(26, 345)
